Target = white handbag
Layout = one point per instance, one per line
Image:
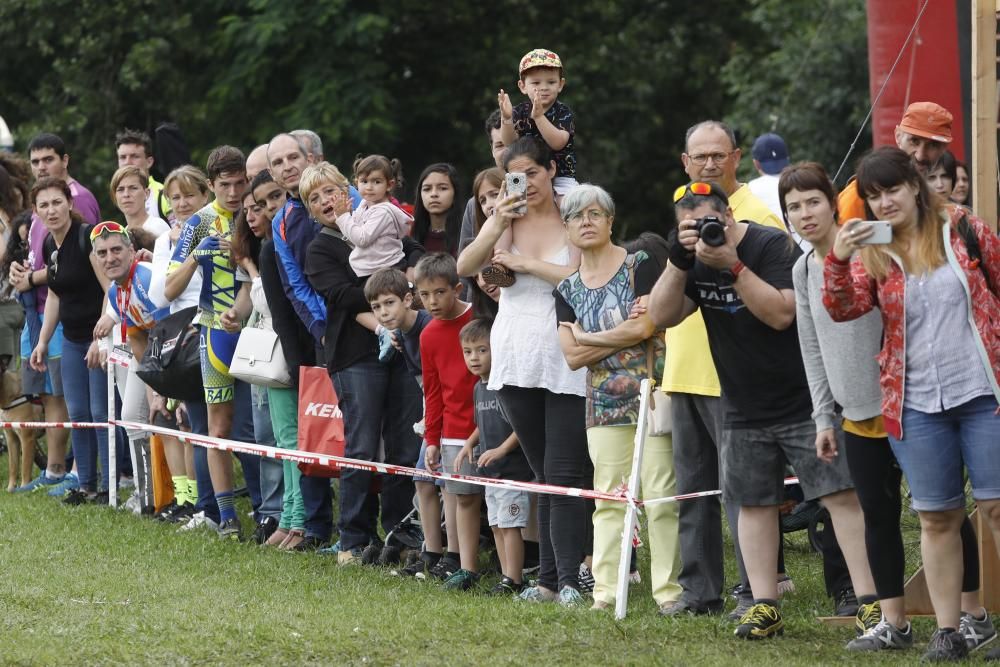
(260, 360)
(658, 420)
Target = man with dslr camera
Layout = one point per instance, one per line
(743, 287)
(710, 154)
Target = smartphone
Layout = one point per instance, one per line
(881, 235)
(517, 184)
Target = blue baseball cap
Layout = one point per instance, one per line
(771, 152)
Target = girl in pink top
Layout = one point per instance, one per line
(377, 227)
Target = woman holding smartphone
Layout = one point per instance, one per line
(935, 285)
(541, 394)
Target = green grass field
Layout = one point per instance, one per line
(93, 586)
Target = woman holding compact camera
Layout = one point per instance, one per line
(935, 283)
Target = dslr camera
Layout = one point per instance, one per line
(712, 230)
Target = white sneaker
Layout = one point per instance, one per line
(199, 520)
(132, 504)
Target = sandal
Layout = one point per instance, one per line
(499, 275)
(295, 537)
(277, 537)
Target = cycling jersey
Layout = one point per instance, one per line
(140, 311)
(220, 279)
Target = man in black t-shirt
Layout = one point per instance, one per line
(740, 275)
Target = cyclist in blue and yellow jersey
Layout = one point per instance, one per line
(204, 247)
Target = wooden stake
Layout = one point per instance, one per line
(984, 110)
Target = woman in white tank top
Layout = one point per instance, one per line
(542, 397)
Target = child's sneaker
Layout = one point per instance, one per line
(884, 636)
(444, 568)
(978, 632)
(538, 594)
(763, 620)
(69, 483)
(785, 585)
(419, 565)
(462, 580)
(506, 586)
(585, 580)
(570, 597)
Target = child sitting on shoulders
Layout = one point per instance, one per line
(543, 115)
(448, 411)
(508, 510)
(377, 226)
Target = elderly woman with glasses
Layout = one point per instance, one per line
(592, 306)
(77, 290)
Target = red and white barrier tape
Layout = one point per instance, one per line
(385, 468)
(53, 425)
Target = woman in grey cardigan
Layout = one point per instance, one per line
(844, 381)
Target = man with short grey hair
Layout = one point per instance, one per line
(312, 143)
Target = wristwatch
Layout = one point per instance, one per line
(728, 276)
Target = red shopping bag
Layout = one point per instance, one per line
(321, 424)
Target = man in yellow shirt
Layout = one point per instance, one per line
(711, 154)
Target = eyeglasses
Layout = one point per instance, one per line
(701, 159)
(105, 229)
(700, 188)
(593, 215)
(54, 262)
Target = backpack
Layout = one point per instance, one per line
(968, 235)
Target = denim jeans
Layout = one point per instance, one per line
(937, 446)
(379, 401)
(86, 393)
(272, 472)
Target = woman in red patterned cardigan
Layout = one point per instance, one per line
(935, 284)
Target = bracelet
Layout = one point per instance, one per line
(31, 278)
(507, 121)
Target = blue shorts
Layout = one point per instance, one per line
(48, 381)
(937, 446)
(217, 349)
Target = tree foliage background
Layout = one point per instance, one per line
(415, 79)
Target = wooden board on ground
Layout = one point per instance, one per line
(918, 601)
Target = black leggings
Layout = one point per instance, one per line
(552, 431)
(877, 479)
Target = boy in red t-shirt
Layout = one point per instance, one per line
(449, 420)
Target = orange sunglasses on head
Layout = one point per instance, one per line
(699, 188)
(106, 229)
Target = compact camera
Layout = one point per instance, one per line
(712, 230)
